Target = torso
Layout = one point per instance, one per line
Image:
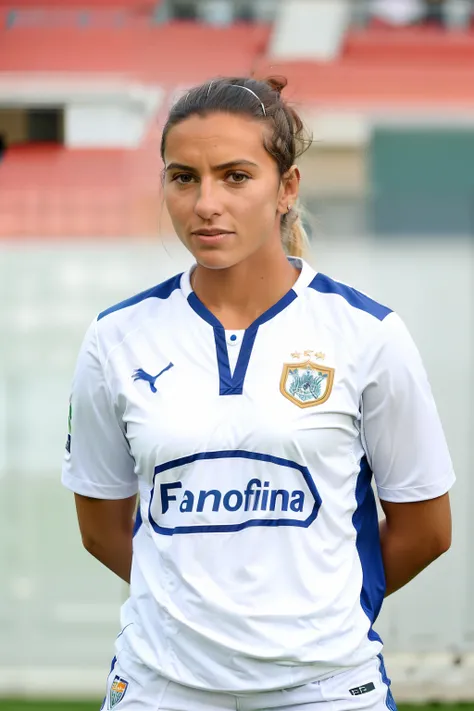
(251, 471)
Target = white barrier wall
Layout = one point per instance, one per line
(58, 606)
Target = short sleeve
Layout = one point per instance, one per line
(401, 428)
(97, 461)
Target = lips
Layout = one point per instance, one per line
(211, 235)
(211, 232)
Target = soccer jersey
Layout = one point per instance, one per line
(256, 553)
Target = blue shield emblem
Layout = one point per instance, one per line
(306, 384)
(117, 691)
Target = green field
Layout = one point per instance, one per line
(14, 705)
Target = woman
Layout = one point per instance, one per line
(248, 402)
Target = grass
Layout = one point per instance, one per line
(16, 705)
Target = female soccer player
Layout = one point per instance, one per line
(248, 402)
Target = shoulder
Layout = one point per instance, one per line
(341, 297)
(113, 325)
(124, 309)
(374, 332)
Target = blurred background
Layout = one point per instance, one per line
(387, 88)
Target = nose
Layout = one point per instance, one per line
(208, 203)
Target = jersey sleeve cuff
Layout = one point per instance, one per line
(96, 490)
(417, 493)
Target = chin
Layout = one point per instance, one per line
(216, 259)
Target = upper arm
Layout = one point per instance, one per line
(97, 462)
(401, 429)
(422, 521)
(98, 518)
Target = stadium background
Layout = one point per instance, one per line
(389, 185)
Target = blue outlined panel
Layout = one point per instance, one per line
(227, 491)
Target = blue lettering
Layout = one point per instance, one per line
(297, 501)
(165, 495)
(265, 493)
(255, 497)
(257, 500)
(203, 496)
(187, 503)
(284, 499)
(239, 500)
(249, 492)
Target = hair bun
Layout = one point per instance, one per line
(277, 83)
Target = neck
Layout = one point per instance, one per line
(240, 294)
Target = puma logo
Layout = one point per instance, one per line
(141, 374)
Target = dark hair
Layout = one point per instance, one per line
(262, 101)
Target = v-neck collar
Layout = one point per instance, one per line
(233, 384)
(305, 276)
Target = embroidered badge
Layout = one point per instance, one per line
(306, 384)
(117, 691)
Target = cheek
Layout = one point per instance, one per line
(176, 204)
(258, 205)
(260, 213)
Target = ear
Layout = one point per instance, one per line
(289, 189)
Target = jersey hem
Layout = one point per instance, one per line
(416, 493)
(137, 668)
(97, 491)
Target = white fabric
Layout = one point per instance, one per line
(258, 564)
(366, 687)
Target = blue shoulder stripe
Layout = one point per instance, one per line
(326, 285)
(161, 291)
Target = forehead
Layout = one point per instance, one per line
(217, 137)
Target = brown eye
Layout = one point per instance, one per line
(183, 178)
(238, 177)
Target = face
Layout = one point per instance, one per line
(223, 190)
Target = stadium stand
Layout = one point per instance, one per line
(51, 188)
(381, 66)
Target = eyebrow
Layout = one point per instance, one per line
(222, 166)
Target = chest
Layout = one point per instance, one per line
(289, 389)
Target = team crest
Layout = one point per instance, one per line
(306, 384)
(117, 691)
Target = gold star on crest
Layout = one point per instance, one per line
(320, 356)
(296, 355)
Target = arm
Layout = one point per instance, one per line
(406, 447)
(412, 536)
(106, 529)
(98, 465)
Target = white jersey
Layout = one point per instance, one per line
(256, 554)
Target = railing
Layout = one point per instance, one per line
(214, 12)
(450, 14)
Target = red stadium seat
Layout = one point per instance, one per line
(49, 190)
(175, 53)
(46, 190)
(410, 45)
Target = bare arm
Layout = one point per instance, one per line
(107, 530)
(413, 535)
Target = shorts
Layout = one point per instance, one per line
(365, 688)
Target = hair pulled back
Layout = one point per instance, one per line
(261, 100)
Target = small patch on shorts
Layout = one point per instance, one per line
(117, 691)
(364, 689)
